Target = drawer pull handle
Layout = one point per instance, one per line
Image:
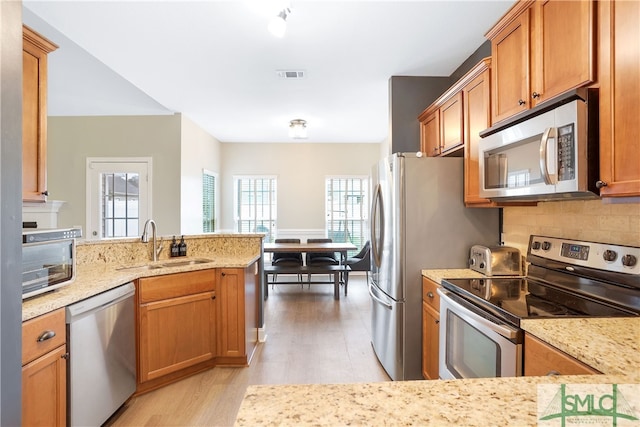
(552, 373)
(430, 294)
(46, 335)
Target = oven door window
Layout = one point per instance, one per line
(470, 353)
(46, 264)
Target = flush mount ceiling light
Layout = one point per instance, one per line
(278, 24)
(298, 129)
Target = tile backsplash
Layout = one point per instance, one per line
(590, 220)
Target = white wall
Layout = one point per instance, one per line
(301, 169)
(72, 139)
(199, 151)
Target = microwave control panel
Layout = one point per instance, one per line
(566, 152)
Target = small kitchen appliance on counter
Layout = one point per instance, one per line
(495, 260)
(480, 334)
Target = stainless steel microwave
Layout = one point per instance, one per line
(48, 259)
(550, 153)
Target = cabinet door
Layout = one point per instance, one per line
(231, 308)
(475, 97)
(430, 134)
(451, 122)
(34, 115)
(44, 390)
(563, 47)
(430, 342)
(175, 333)
(619, 75)
(542, 359)
(510, 68)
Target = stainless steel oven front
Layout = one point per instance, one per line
(475, 344)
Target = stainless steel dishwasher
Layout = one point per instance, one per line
(102, 355)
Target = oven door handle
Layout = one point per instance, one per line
(466, 311)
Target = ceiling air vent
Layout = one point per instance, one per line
(290, 74)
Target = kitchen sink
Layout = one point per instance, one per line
(167, 264)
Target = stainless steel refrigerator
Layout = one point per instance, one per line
(418, 221)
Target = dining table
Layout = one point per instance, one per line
(340, 247)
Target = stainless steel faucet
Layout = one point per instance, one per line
(145, 238)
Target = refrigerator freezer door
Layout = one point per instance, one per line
(387, 315)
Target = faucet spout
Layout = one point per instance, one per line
(145, 238)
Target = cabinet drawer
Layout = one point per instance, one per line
(176, 285)
(541, 359)
(42, 334)
(430, 294)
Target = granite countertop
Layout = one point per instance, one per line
(451, 273)
(610, 345)
(95, 278)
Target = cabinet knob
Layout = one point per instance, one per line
(600, 184)
(535, 95)
(46, 335)
(521, 102)
(223, 274)
(430, 294)
(213, 297)
(45, 193)
(65, 356)
(437, 321)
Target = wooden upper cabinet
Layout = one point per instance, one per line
(619, 77)
(35, 49)
(476, 118)
(451, 124)
(430, 133)
(541, 49)
(510, 68)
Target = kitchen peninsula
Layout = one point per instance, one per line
(608, 345)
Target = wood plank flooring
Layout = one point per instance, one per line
(311, 338)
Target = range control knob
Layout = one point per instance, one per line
(629, 260)
(609, 255)
(546, 246)
(535, 245)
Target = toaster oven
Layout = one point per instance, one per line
(48, 259)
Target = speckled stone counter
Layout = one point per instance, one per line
(99, 263)
(610, 345)
(450, 273)
(480, 402)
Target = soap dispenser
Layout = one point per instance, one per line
(175, 249)
(182, 247)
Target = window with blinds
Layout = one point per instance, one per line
(255, 205)
(347, 209)
(208, 202)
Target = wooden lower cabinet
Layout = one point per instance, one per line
(237, 314)
(176, 326)
(430, 329)
(44, 370)
(542, 359)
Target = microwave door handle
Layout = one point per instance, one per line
(549, 133)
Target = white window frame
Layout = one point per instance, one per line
(216, 198)
(274, 204)
(94, 167)
(349, 217)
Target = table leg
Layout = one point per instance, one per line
(336, 285)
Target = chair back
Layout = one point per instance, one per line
(286, 257)
(321, 257)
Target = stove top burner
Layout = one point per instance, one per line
(514, 299)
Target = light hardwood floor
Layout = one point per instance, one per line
(311, 338)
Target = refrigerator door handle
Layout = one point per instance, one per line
(377, 209)
(377, 299)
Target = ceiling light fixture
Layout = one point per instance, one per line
(298, 129)
(278, 24)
